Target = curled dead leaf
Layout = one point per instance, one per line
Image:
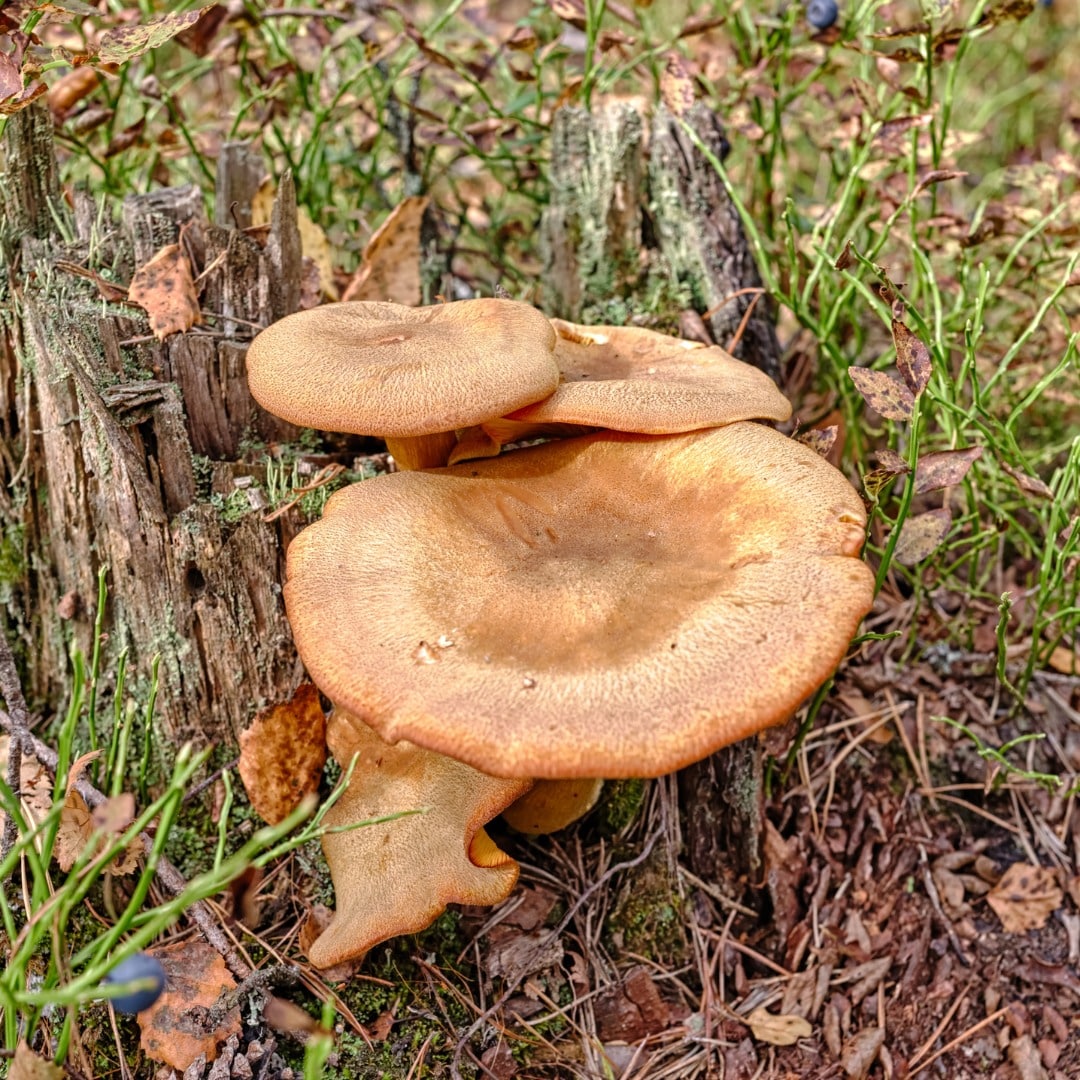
(778, 1030)
(282, 754)
(165, 290)
(1025, 897)
(912, 358)
(390, 268)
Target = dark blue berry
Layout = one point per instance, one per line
(821, 14)
(139, 967)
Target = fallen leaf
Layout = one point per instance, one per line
(631, 1011)
(390, 268)
(884, 392)
(71, 88)
(124, 43)
(945, 468)
(174, 1028)
(912, 358)
(165, 290)
(921, 535)
(677, 85)
(379, 1028)
(18, 101)
(314, 245)
(1030, 485)
(891, 462)
(820, 440)
(860, 1052)
(1025, 897)
(287, 1017)
(282, 754)
(1065, 661)
(778, 1030)
(26, 1065)
(79, 825)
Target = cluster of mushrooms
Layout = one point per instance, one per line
(499, 629)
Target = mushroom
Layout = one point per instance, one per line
(409, 375)
(396, 877)
(630, 379)
(551, 805)
(613, 605)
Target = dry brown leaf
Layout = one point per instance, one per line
(26, 1065)
(79, 825)
(1025, 897)
(174, 1027)
(912, 358)
(71, 88)
(165, 290)
(124, 43)
(945, 468)
(314, 245)
(884, 392)
(820, 440)
(1030, 485)
(35, 784)
(282, 754)
(921, 535)
(283, 1015)
(891, 462)
(390, 269)
(1065, 661)
(778, 1030)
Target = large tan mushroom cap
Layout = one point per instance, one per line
(397, 877)
(630, 379)
(614, 605)
(390, 370)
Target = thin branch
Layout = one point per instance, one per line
(167, 874)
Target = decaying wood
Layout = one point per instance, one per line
(121, 444)
(621, 213)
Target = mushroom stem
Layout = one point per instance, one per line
(422, 451)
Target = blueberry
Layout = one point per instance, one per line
(821, 14)
(142, 968)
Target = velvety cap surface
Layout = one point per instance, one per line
(630, 379)
(613, 605)
(390, 370)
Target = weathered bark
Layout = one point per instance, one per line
(115, 444)
(614, 224)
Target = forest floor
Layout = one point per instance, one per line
(918, 911)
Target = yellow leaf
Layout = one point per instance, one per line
(778, 1030)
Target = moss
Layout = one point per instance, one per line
(648, 917)
(620, 802)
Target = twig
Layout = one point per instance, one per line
(19, 743)
(512, 985)
(962, 1037)
(167, 874)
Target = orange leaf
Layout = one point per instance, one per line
(282, 754)
(165, 290)
(174, 1028)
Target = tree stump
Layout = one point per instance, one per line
(120, 450)
(626, 221)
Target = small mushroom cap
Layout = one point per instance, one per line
(614, 605)
(551, 805)
(397, 877)
(390, 370)
(630, 379)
